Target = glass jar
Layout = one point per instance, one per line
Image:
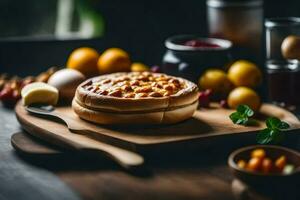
(239, 21)
(283, 76)
(189, 62)
(277, 29)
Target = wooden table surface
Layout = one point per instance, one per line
(18, 178)
(198, 174)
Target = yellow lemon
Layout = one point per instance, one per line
(244, 73)
(243, 95)
(216, 80)
(139, 67)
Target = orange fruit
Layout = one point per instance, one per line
(84, 59)
(244, 73)
(114, 60)
(242, 164)
(254, 164)
(139, 67)
(216, 80)
(280, 163)
(243, 95)
(267, 165)
(259, 153)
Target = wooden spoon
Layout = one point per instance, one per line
(125, 158)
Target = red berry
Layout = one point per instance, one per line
(223, 104)
(16, 94)
(204, 98)
(155, 69)
(9, 96)
(6, 94)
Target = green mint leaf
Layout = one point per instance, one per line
(245, 110)
(283, 125)
(273, 122)
(242, 121)
(268, 135)
(264, 137)
(241, 116)
(241, 108)
(277, 136)
(237, 118)
(249, 112)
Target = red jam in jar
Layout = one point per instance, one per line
(188, 56)
(199, 43)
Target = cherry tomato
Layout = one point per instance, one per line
(254, 164)
(280, 163)
(259, 153)
(267, 165)
(242, 164)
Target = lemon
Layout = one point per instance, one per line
(85, 60)
(139, 67)
(243, 95)
(114, 60)
(244, 73)
(39, 92)
(216, 80)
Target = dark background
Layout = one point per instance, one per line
(138, 26)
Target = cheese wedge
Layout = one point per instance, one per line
(39, 92)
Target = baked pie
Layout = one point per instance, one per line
(135, 98)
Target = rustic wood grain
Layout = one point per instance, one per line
(168, 178)
(58, 134)
(187, 175)
(198, 174)
(28, 145)
(206, 124)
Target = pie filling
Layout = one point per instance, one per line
(136, 85)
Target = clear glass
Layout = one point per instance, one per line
(283, 76)
(277, 29)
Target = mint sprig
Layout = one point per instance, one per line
(273, 133)
(242, 115)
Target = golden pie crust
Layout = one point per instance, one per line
(136, 98)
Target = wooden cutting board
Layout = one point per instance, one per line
(206, 124)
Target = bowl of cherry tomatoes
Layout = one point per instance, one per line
(266, 165)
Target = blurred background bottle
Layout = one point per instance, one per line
(64, 19)
(239, 21)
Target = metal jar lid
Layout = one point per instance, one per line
(282, 21)
(234, 3)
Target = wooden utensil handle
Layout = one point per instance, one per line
(126, 159)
